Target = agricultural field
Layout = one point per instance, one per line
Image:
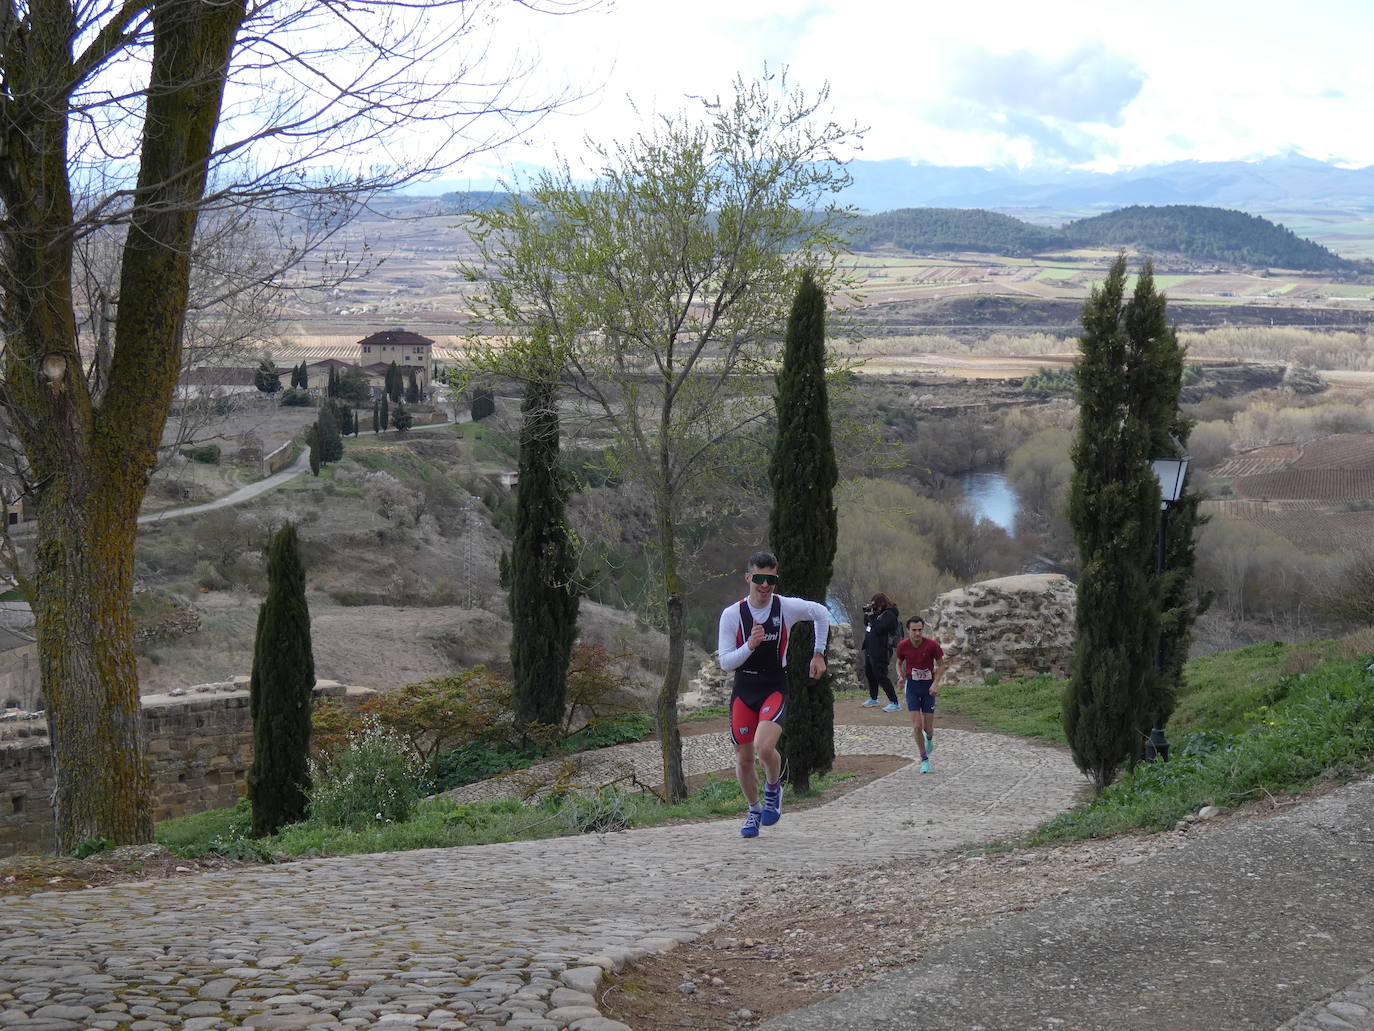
(1318, 495)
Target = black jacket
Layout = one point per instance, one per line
(879, 631)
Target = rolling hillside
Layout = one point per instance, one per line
(1197, 233)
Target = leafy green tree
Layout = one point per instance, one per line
(401, 418)
(717, 210)
(266, 378)
(802, 525)
(1114, 509)
(280, 692)
(543, 594)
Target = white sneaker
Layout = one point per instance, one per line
(870, 702)
(890, 707)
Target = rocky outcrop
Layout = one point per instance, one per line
(711, 685)
(1018, 626)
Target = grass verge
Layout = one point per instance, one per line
(1318, 727)
(441, 823)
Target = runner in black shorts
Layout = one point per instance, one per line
(753, 643)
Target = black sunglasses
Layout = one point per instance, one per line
(764, 578)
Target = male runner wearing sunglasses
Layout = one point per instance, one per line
(753, 643)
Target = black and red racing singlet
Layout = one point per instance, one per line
(764, 667)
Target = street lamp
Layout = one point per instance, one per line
(1172, 473)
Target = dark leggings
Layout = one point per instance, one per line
(876, 675)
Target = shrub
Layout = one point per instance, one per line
(295, 398)
(375, 779)
(431, 716)
(209, 576)
(207, 454)
(610, 809)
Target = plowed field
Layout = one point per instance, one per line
(1319, 495)
(1325, 484)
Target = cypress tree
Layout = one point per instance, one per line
(386, 412)
(413, 390)
(280, 692)
(331, 442)
(402, 419)
(305, 376)
(802, 526)
(1114, 511)
(376, 417)
(503, 569)
(312, 438)
(394, 387)
(543, 596)
(1178, 601)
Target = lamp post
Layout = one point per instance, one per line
(1172, 473)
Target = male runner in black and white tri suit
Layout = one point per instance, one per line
(753, 643)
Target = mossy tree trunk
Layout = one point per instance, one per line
(90, 461)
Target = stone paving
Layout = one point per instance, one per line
(501, 936)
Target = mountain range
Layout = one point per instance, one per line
(1287, 183)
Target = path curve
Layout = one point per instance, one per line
(514, 935)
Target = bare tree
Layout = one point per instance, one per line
(139, 117)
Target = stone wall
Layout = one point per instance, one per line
(711, 685)
(1018, 626)
(199, 745)
(19, 683)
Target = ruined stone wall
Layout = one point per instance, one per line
(711, 685)
(1017, 626)
(198, 744)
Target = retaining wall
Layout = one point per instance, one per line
(198, 747)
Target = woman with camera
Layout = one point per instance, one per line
(880, 632)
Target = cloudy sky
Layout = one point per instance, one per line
(987, 82)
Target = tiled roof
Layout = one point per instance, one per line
(396, 336)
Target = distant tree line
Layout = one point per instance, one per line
(1195, 232)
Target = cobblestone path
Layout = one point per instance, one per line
(502, 936)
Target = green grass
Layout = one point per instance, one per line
(1051, 274)
(1029, 708)
(1319, 728)
(441, 823)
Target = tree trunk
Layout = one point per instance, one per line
(89, 673)
(669, 736)
(89, 462)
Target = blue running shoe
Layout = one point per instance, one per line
(925, 768)
(772, 804)
(751, 825)
(930, 742)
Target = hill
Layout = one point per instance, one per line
(952, 229)
(1202, 234)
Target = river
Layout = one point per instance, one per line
(990, 496)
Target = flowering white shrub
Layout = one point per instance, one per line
(375, 778)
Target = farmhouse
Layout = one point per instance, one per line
(408, 350)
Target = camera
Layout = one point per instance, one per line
(869, 609)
